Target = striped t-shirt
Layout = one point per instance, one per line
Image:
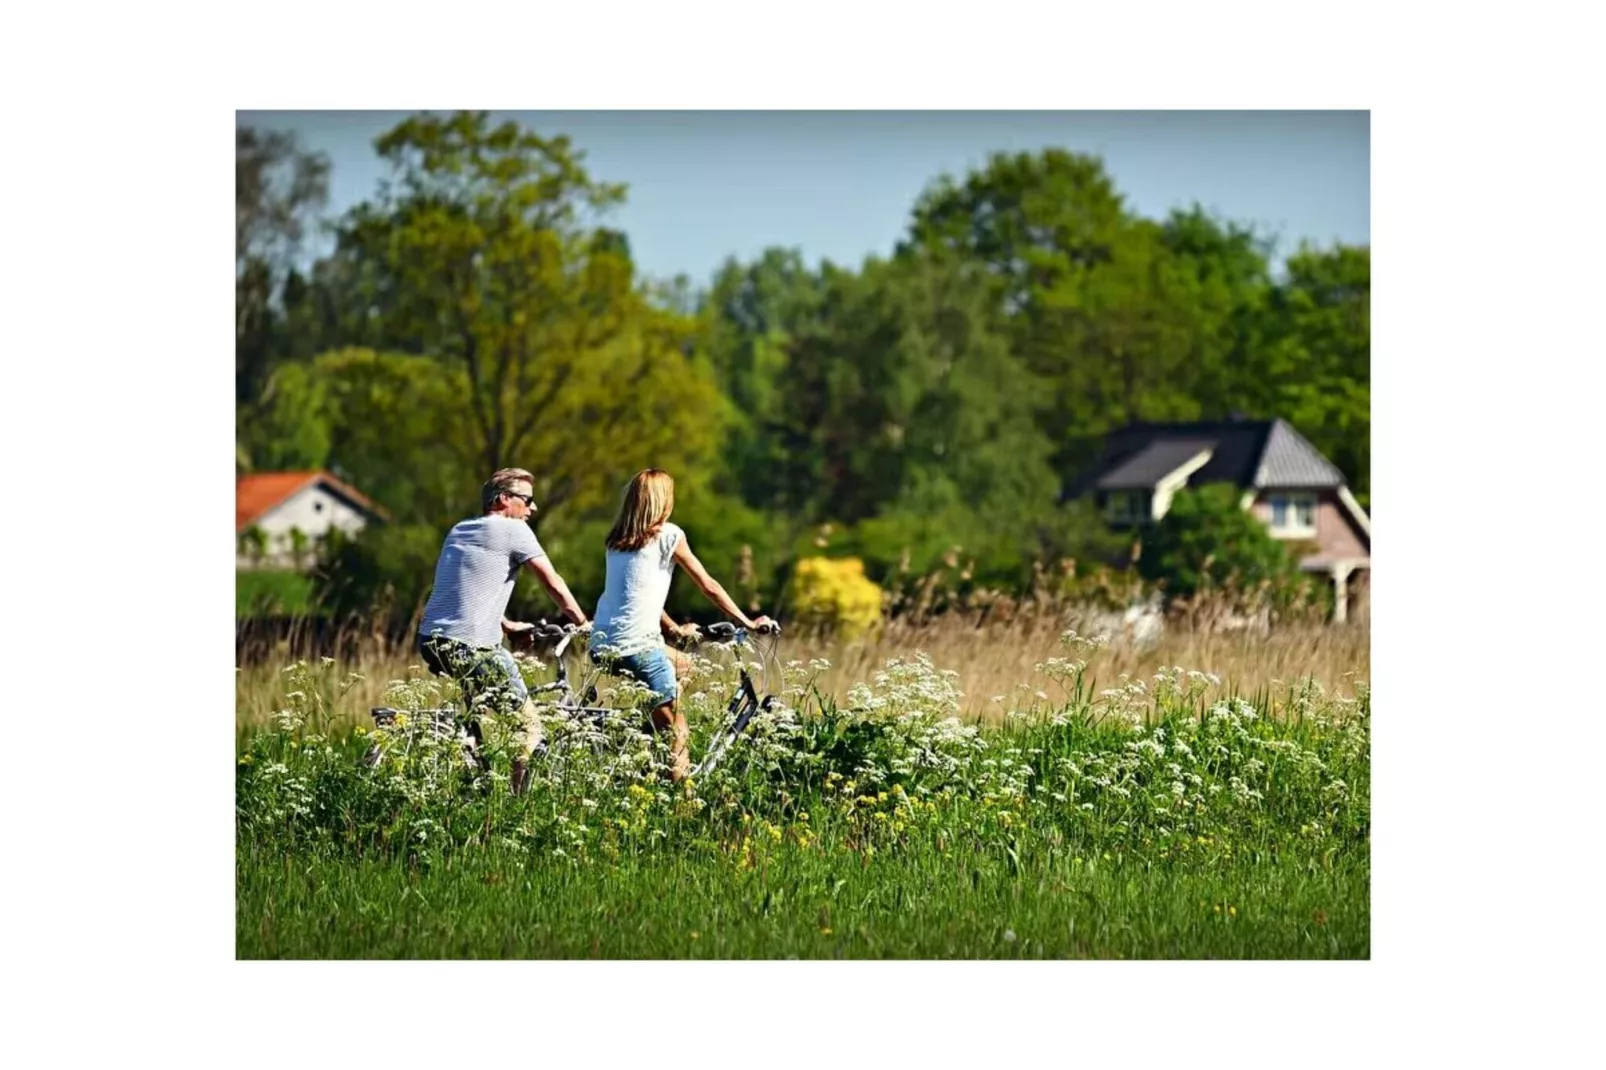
(474, 578)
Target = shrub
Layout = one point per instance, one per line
(1208, 542)
(835, 593)
(385, 571)
(273, 592)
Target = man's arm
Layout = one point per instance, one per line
(542, 567)
(667, 625)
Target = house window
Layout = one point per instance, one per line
(1127, 506)
(1293, 514)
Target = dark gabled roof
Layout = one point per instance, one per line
(1153, 463)
(1246, 453)
(1291, 461)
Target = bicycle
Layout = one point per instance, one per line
(445, 721)
(577, 701)
(747, 702)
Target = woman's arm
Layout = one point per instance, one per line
(711, 587)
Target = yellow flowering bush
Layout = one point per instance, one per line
(836, 593)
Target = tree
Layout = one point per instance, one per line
(253, 543)
(1120, 318)
(1224, 282)
(300, 548)
(291, 422)
(278, 192)
(1207, 540)
(485, 253)
(1036, 222)
(748, 318)
(382, 575)
(909, 421)
(391, 428)
(1318, 361)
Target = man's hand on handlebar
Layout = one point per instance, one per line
(764, 626)
(520, 632)
(546, 633)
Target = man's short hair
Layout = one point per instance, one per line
(500, 483)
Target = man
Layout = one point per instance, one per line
(461, 633)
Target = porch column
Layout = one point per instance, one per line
(1341, 573)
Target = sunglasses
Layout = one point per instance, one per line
(527, 499)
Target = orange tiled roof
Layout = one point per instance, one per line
(255, 494)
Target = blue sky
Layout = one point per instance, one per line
(840, 185)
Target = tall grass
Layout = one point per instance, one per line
(995, 660)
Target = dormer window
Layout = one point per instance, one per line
(1127, 506)
(1293, 515)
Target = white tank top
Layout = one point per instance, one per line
(633, 596)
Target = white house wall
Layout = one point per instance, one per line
(312, 509)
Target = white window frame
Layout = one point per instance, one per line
(1293, 502)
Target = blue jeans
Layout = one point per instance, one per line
(488, 675)
(651, 668)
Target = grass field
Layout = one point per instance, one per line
(1167, 816)
(924, 903)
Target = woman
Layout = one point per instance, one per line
(643, 550)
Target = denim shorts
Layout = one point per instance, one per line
(651, 668)
(488, 675)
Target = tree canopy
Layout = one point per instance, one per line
(480, 310)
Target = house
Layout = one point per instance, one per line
(1299, 494)
(275, 504)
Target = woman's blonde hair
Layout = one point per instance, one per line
(649, 499)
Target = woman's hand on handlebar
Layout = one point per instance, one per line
(725, 632)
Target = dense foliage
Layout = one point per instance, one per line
(478, 311)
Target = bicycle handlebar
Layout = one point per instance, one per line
(725, 632)
(722, 632)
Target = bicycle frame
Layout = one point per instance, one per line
(442, 722)
(745, 704)
(569, 701)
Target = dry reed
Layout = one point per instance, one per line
(995, 659)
